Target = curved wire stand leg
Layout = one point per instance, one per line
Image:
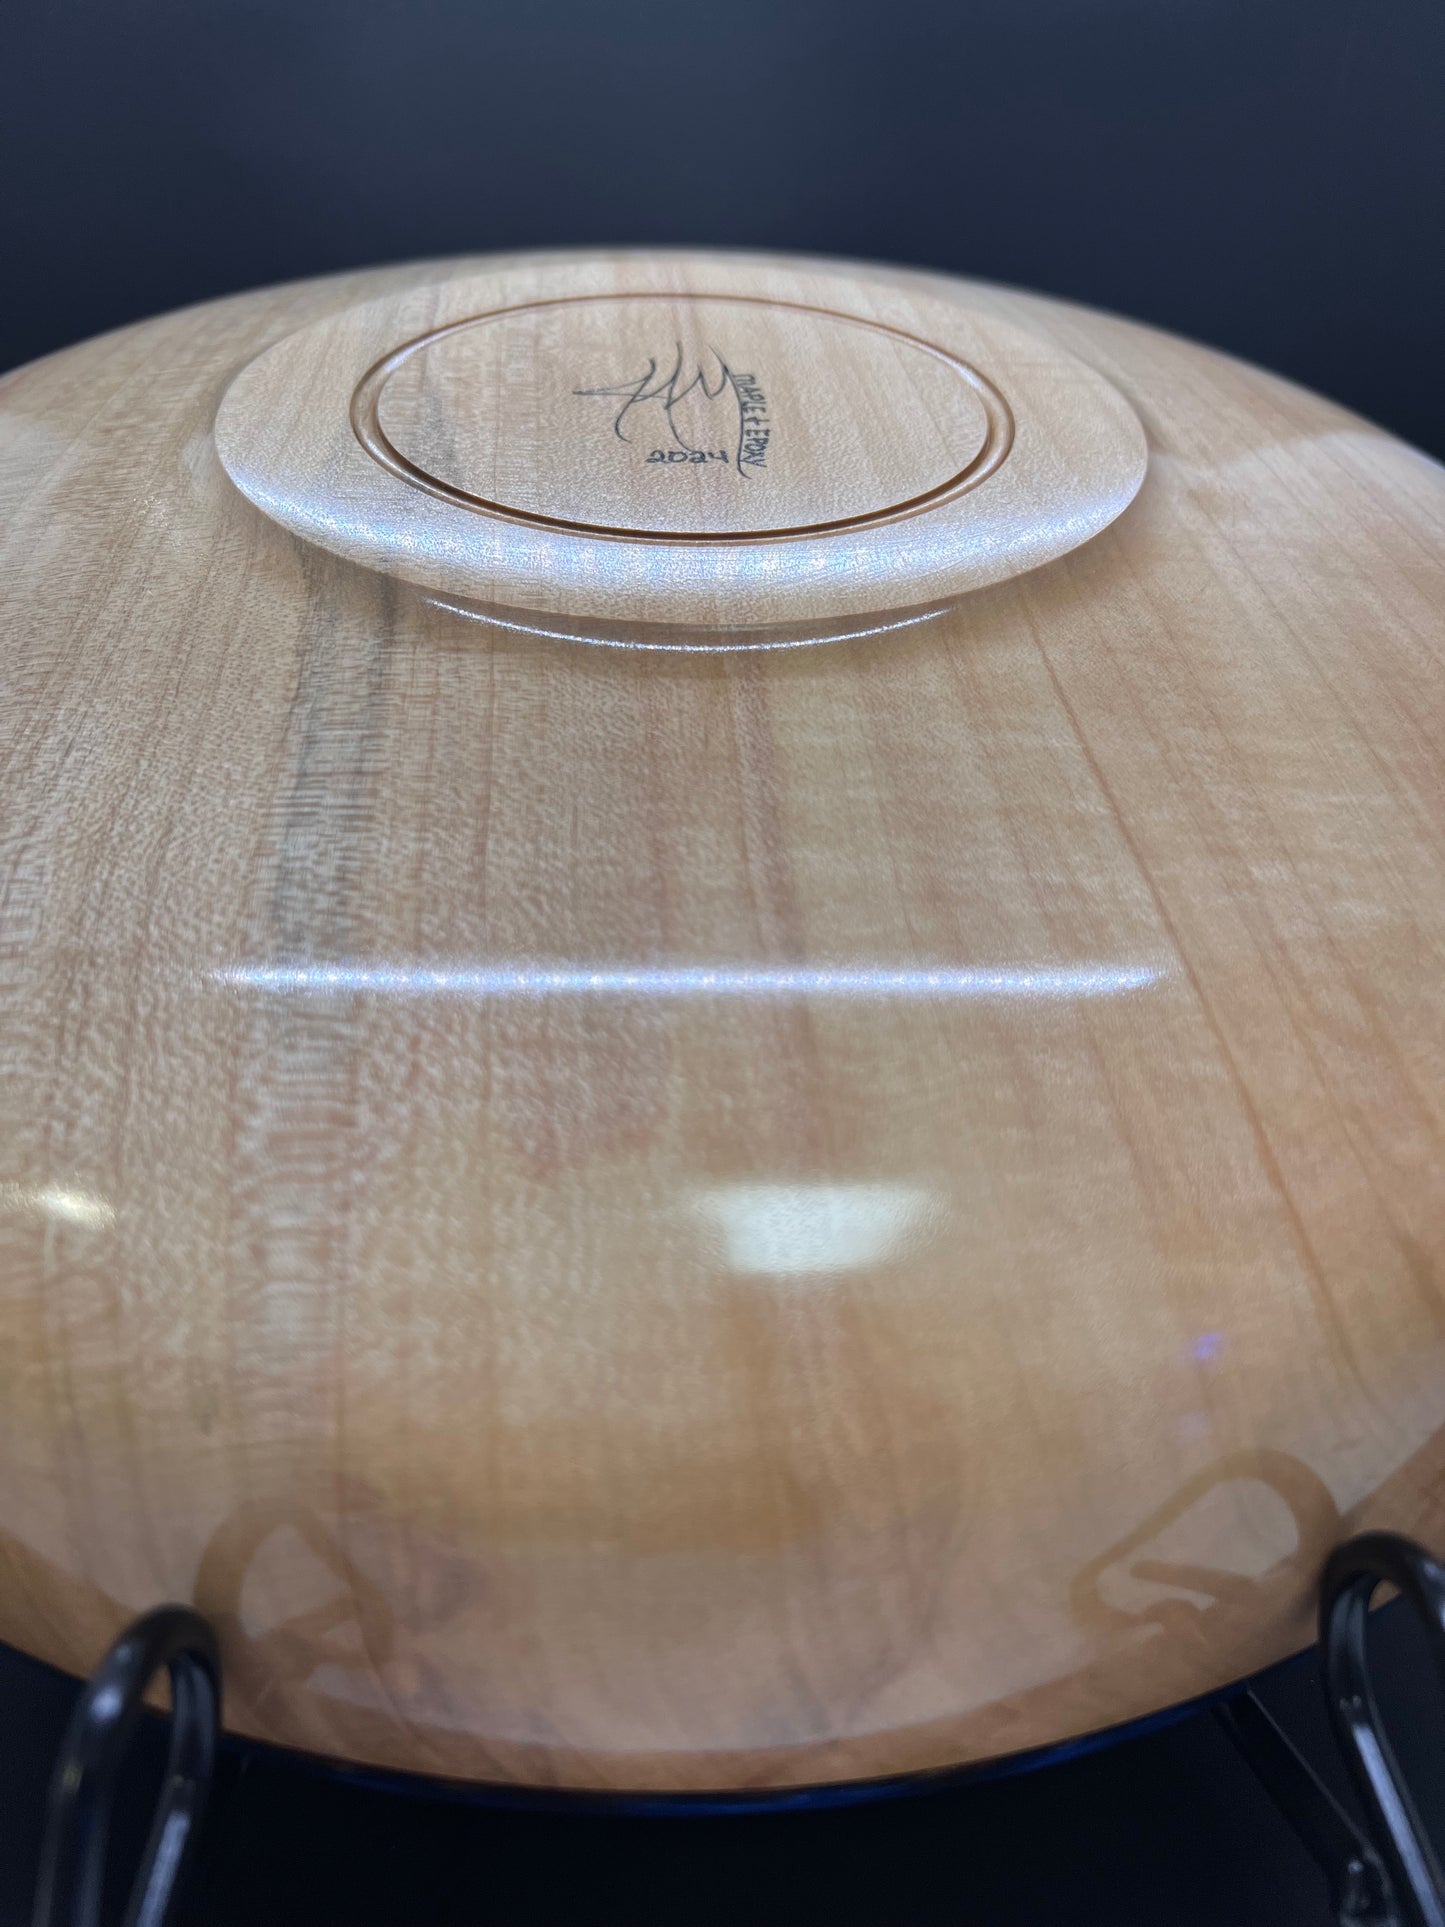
(1386, 1873)
(82, 1791)
(1360, 1892)
(1352, 1575)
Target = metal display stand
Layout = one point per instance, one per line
(1383, 1873)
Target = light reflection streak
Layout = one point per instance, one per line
(537, 981)
(57, 1201)
(743, 645)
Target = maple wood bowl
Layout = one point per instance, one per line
(722, 1060)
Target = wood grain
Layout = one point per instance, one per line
(714, 1219)
(636, 444)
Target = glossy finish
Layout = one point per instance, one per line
(728, 1218)
(649, 442)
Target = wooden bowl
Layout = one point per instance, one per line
(720, 1123)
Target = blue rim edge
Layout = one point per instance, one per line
(822, 1797)
(825, 1796)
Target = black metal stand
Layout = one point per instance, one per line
(1387, 1876)
(82, 1790)
(1383, 1874)
(1360, 1892)
(1351, 1577)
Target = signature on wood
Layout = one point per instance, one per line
(753, 430)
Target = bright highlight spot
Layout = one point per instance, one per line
(55, 1201)
(791, 1230)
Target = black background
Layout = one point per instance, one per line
(1267, 177)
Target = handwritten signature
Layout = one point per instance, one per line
(671, 390)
